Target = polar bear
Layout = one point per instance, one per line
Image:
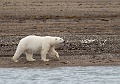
(30, 44)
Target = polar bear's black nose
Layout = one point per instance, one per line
(63, 41)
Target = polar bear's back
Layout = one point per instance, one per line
(30, 42)
(30, 39)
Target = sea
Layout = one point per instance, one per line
(61, 75)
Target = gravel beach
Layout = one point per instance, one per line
(91, 29)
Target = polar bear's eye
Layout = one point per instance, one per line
(55, 38)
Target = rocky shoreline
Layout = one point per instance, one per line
(91, 30)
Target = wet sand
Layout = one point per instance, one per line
(91, 29)
(6, 62)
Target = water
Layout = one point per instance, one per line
(61, 75)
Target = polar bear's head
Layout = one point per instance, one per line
(59, 40)
(56, 40)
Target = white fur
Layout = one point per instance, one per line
(30, 44)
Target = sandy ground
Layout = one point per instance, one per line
(91, 29)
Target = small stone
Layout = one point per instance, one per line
(64, 62)
(47, 64)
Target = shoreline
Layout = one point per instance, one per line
(7, 62)
(91, 29)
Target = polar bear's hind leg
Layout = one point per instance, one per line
(17, 55)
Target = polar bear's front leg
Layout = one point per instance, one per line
(43, 55)
(57, 55)
(29, 56)
(54, 53)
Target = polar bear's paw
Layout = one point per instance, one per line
(45, 60)
(15, 60)
(58, 58)
(31, 60)
(34, 60)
